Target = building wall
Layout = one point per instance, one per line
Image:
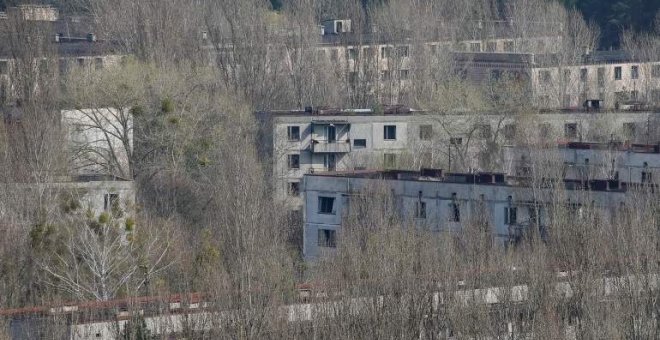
(474, 201)
(413, 152)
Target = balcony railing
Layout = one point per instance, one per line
(333, 147)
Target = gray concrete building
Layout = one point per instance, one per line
(318, 140)
(444, 202)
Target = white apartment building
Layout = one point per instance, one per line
(440, 202)
(617, 80)
(318, 140)
(630, 163)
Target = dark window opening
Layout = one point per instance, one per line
(326, 205)
(294, 188)
(510, 215)
(360, 143)
(111, 201)
(327, 238)
(510, 131)
(456, 141)
(294, 161)
(617, 73)
(634, 72)
(389, 132)
(293, 132)
(455, 209)
(4, 69)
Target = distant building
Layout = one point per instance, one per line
(444, 202)
(631, 163)
(300, 142)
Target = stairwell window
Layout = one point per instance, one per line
(389, 132)
(634, 72)
(420, 209)
(326, 205)
(510, 215)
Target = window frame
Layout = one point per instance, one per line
(355, 144)
(634, 72)
(391, 134)
(289, 133)
(618, 73)
(293, 165)
(326, 238)
(325, 202)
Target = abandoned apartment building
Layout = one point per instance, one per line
(307, 141)
(444, 202)
(631, 163)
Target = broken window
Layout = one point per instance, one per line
(360, 143)
(385, 52)
(389, 132)
(327, 238)
(570, 130)
(617, 73)
(456, 141)
(293, 133)
(294, 189)
(326, 205)
(425, 132)
(294, 161)
(634, 72)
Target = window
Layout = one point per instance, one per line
(510, 131)
(294, 161)
(327, 238)
(339, 26)
(601, 76)
(352, 54)
(495, 75)
(360, 143)
(294, 188)
(655, 96)
(570, 130)
(567, 76)
(330, 162)
(368, 53)
(81, 62)
(385, 52)
(617, 73)
(402, 51)
(508, 46)
(425, 132)
(655, 71)
(485, 131)
(647, 177)
(491, 46)
(456, 141)
(334, 55)
(4, 69)
(634, 72)
(510, 215)
(420, 209)
(389, 132)
(293, 132)
(546, 77)
(455, 211)
(475, 47)
(98, 63)
(326, 205)
(403, 74)
(584, 75)
(389, 160)
(111, 201)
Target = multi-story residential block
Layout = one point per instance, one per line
(631, 163)
(318, 140)
(615, 78)
(443, 202)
